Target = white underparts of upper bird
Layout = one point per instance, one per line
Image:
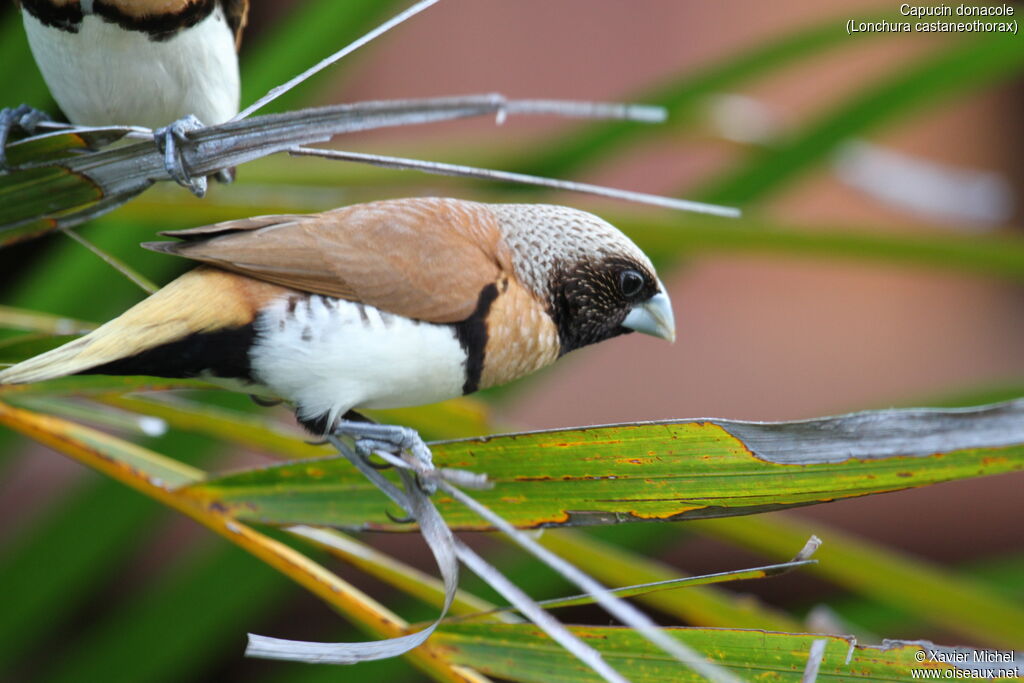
(138, 62)
(387, 304)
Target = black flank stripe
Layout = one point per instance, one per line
(318, 425)
(159, 26)
(65, 17)
(472, 336)
(224, 353)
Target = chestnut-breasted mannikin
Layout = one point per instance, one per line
(380, 305)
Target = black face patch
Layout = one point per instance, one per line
(63, 17)
(590, 300)
(160, 27)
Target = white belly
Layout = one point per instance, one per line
(329, 356)
(106, 75)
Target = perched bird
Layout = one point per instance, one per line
(381, 305)
(138, 62)
(151, 63)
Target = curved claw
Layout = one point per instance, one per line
(265, 402)
(399, 520)
(427, 486)
(376, 465)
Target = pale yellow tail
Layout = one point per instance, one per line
(64, 360)
(202, 300)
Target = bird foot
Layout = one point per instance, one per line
(372, 438)
(265, 402)
(168, 140)
(225, 176)
(23, 118)
(404, 519)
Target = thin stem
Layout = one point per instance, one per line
(620, 609)
(439, 168)
(117, 264)
(160, 478)
(340, 54)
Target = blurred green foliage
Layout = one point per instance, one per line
(67, 613)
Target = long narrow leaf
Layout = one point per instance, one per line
(520, 653)
(395, 573)
(697, 606)
(146, 640)
(88, 385)
(970, 64)
(28, 87)
(22, 319)
(155, 475)
(449, 419)
(965, 607)
(657, 471)
(682, 95)
(668, 239)
(651, 590)
(42, 594)
(60, 193)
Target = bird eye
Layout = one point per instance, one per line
(630, 282)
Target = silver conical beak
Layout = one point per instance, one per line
(653, 317)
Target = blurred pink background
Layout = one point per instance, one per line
(760, 337)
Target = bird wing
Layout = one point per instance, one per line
(237, 13)
(426, 259)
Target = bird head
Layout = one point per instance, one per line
(597, 284)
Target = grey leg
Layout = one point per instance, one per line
(167, 140)
(22, 117)
(370, 437)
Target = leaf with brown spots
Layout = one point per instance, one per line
(658, 471)
(521, 652)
